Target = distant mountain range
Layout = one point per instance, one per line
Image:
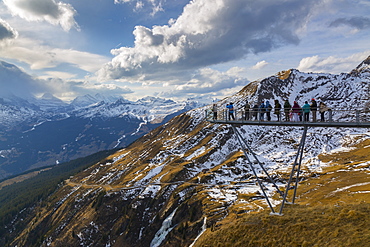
(189, 176)
(37, 132)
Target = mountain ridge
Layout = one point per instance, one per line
(37, 132)
(188, 173)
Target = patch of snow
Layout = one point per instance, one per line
(163, 231)
(204, 228)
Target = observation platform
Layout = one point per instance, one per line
(352, 118)
(335, 118)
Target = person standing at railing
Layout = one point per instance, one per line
(306, 112)
(255, 112)
(313, 108)
(296, 109)
(268, 110)
(277, 109)
(287, 108)
(322, 109)
(262, 110)
(230, 107)
(247, 107)
(214, 110)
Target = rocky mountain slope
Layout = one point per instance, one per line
(189, 176)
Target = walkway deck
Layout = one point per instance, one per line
(299, 124)
(353, 118)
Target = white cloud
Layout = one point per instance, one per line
(39, 56)
(208, 81)
(6, 31)
(331, 64)
(16, 82)
(56, 13)
(57, 74)
(70, 89)
(139, 5)
(358, 22)
(208, 33)
(260, 65)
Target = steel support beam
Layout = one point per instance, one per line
(296, 168)
(252, 168)
(255, 157)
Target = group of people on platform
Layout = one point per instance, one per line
(293, 113)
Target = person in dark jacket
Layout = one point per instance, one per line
(262, 110)
(214, 109)
(255, 112)
(287, 108)
(268, 110)
(247, 107)
(313, 108)
(277, 109)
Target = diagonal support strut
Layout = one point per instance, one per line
(252, 168)
(296, 168)
(259, 163)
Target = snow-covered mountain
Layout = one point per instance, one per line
(45, 131)
(86, 100)
(49, 103)
(188, 174)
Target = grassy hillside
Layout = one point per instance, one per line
(333, 209)
(17, 200)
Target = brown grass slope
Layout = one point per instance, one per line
(333, 209)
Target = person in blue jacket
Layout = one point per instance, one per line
(231, 111)
(306, 108)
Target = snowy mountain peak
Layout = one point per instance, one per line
(153, 100)
(86, 100)
(48, 96)
(49, 102)
(364, 66)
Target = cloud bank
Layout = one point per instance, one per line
(357, 22)
(208, 33)
(333, 64)
(208, 81)
(155, 5)
(56, 13)
(14, 81)
(6, 31)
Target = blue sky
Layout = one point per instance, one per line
(176, 48)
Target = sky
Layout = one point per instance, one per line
(176, 49)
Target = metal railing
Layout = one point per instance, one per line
(329, 116)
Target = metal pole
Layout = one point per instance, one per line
(254, 172)
(260, 164)
(292, 172)
(300, 162)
